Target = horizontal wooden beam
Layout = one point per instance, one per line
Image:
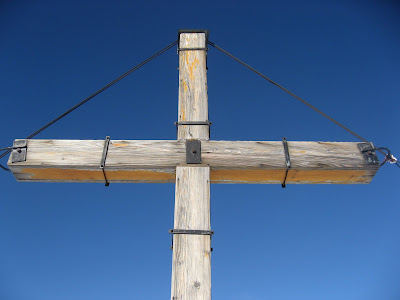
(230, 161)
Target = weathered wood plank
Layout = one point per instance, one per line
(230, 161)
(191, 261)
(193, 99)
(149, 154)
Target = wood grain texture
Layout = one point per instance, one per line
(230, 161)
(191, 263)
(193, 99)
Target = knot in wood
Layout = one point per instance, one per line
(197, 284)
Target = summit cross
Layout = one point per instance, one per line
(192, 162)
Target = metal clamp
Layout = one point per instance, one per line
(19, 151)
(189, 231)
(287, 159)
(103, 159)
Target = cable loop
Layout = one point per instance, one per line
(388, 157)
(4, 168)
(8, 151)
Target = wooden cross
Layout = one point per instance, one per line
(192, 162)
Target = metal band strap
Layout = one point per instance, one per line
(189, 231)
(192, 49)
(193, 123)
(287, 159)
(103, 159)
(206, 123)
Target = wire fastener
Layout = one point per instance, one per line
(103, 159)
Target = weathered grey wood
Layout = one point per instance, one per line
(191, 262)
(193, 99)
(230, 161)
(165, 161)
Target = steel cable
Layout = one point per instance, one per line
(290, 93)
(92, 96)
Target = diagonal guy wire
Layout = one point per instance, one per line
(94, 95)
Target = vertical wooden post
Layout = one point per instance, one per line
(193, 99)
(191, 263)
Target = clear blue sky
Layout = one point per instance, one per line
(64, 241)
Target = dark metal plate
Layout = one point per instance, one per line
(193, 152)
(369, 154)
(19, 151)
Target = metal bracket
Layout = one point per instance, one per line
(193, 151)
(287, 159)
(189, 231)
(103, 159)
(367, 150)
(19, 151)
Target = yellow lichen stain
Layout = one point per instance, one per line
(328, 176)
(141, 175)
(54, 174)
(216, 176)
(119, 145)
(246, 175)
(302, 151)
(294, 176)
(185, 87)
(183, 115)
(191, 65)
